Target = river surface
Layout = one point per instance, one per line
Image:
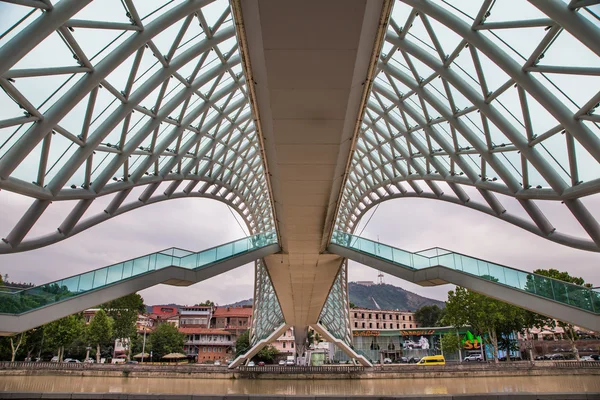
(301, 387)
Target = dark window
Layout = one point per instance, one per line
(384, 325)
(363, 324)
(356, 324)
(404, 326)
(370, 325)
(404, 318)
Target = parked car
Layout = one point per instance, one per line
(261, 363)
(71, 360)
(217, 362)
(131, 362)
(414, 360)
(251, 364)
(586, 358)
(557, 357)
(432, 360)
(538, 358)
(512, 358)
(596, 357)
(289, 362)
(402, 360)
(89, 361)
(473, 357)
(387, 360)
(281, 362)
(54, 359)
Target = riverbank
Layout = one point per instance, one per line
(408, 371)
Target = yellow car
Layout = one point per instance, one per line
(432, 360)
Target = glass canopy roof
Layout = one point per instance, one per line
(100, 98)
(116, 104)
(488, 104)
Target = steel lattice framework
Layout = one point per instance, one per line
(335, 316)
(267, 316)
(475, 94)
(99, 99)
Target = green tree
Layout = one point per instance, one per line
(428, 316)
(242, 344)
(488, 317)
(352, 305)
(206, 303)
(100, 331)
(267, 354)
(124, 312)
(560, 292)
(63, 332)
(16, 342)
(451, 342)
(166, 339)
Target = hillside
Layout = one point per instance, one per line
(388, 297)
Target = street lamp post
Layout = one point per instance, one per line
(144, 344)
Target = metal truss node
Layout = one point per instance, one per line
(151, 94)
(466, 96)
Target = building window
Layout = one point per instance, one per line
(363, 315)
(397, 326)
(411, 325)
(370, 325)
(292, 344)
(376, 316)
(363, 324)
(215, 349)
(404, 318)
(384, 325)
(370, 316)
(284, 345)
(378, 325)
(397, 317)
(356, 324)
(403, 326)
(355, 315)
(410, 318)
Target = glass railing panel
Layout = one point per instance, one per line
(420, 262)
(140, 265)
(469, 265)
(596, 300)
(497, 272)
(167, 252)
(71, 284)
(181, 253)
(515, 278)
(127, 269)
(207, 257)
(189, 261)
(163, 260)
(446, 260)
(86, 282)
(99, 278)
(402, 257)
(114, 273)
(385, 252)
(224, 251)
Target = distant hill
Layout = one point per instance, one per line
(387, 297)
(241, 303)
(368, 295)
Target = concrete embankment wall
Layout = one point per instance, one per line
(139, 396)
(388, 372)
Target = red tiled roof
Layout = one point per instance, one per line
(206, 331)
(233, 312)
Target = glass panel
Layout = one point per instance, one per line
(71, 284)
(100, 277)
(140, 265)
(207, 257)
(188, 261)
(86, 282)
(224, 251)
(163, 260)
(402, 257)
(115, 273)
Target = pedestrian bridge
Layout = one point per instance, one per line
(28, 308)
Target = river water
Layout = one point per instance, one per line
(301, 387)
